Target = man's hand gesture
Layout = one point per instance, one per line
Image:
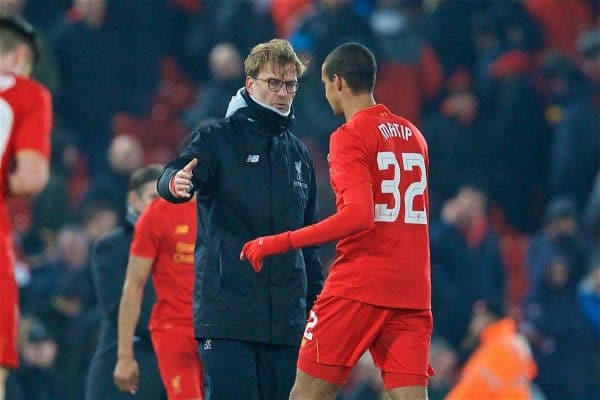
(181, 183)
(255, 250)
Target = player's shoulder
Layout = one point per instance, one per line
(159, 205)
(348, 133)
(19, 82)
(24, 91)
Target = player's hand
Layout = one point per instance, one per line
(181, 182)
(255, 250)
(127, 374)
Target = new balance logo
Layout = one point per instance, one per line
(252, 158)
(182, 229)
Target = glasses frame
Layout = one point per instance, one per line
(275, 85)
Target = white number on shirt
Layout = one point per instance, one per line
(385, 159)
(6, 124)
(312, 321)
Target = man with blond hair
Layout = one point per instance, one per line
(252, 177)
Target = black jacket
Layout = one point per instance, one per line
(109, 266)
(253, 178)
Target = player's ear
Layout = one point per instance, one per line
(337, 81)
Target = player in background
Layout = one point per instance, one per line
(109, 265)
(25, 124)
(378, 292)
(163, 245)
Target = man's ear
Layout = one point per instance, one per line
(337, 81)
(249, 84)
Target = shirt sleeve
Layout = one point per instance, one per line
(348, 160)
(146, 238)
(32, 132)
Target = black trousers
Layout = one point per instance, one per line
(99, 382)
(247, 370)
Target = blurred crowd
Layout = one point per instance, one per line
(506, 93)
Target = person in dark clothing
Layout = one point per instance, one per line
(109, 262)
(253, 177)
(466, 266)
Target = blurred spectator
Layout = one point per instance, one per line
(466, 266)
(456, 142)
(517, 141)
(561, 21)
(73, 316)
(331, 23)
(227, 70)
(91, 58)
(591, 216)
(251, 19)
(588, 45)
(110, 185)
(575, 152)
(53, 206)
(562, 340)
(285, 14)
(501, 366)
(589, 293)
(36, 293)
(444, 361)
(408, 64)
(560, 236)
(38, 376)
(589, 302)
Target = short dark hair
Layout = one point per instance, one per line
(355, 64)
(143, 175)
(15, 30)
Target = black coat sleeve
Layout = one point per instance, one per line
(204, 148)
(313, 265)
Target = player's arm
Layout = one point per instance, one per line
(349, 169)
(312, 261)
(32, 145)
(126, 372)
(355, 215)
(30, 175)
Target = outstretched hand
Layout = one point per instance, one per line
(256, 250)
(181, 182)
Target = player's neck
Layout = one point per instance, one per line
(356, 103)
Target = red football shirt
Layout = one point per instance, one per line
(25, 124)
(389, 263)
(166, 232)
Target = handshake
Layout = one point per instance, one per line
(255, 250)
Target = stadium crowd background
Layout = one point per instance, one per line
(505, 91)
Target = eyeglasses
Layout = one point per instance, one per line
(275, 85)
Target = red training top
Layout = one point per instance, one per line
(166, 232)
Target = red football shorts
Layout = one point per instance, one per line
(340, 330)
(179, 364)
(9, 317)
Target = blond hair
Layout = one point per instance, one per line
(278, 52)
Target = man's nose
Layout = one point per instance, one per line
(282, 91)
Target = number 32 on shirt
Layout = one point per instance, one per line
(387, 160)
